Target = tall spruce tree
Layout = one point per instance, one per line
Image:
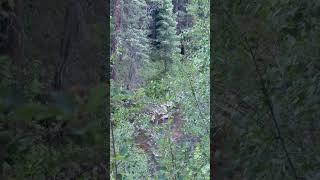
(165, 37)
(133, 43)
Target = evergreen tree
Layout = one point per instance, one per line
(166, 40)
(133, 40)
(184, 18)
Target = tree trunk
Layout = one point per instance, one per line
(70, 35)
(117, 22)
(17, 51)
(132, 75)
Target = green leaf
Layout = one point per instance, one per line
(117, 158)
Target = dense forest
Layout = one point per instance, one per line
(160, 58)
(52, 95)
(164, 89)
(265, 82)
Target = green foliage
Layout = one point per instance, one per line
(166, 40)
(178, 147)
(40, 139)
(283, 36)
(6, 71)
(133, 45)
(157, 89)
(44, 133)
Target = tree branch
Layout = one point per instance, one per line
(269, 104)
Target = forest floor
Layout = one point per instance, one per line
(168, 118)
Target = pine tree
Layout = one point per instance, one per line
(166, 40)
(184, 18)
(133, 42)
